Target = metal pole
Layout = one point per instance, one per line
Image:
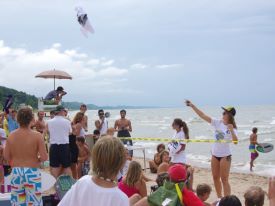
(54, 83)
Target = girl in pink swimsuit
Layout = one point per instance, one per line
(133, 182)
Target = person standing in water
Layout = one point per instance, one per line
(225, 129)
(102, 123)
(123, 127)
(252, 147)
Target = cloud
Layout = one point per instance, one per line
(19, 67)
(108, 63)
(113, 72)
(168, 66)
(138, 66)
(155, 67)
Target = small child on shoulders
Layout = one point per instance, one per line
(203, 192)
(83, 164)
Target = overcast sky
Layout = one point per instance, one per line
(143, 52)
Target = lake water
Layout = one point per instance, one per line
(157, 123)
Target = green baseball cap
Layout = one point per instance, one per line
(59, 108)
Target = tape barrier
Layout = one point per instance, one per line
(154, 139)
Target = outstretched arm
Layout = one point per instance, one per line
(198, 112)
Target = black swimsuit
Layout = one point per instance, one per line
(220, 158)
(73, 148)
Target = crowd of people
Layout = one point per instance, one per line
(104, 165)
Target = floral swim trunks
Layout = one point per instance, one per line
(26, 187)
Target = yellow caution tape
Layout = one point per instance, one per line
(154, 139)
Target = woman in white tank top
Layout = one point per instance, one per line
(225, 129)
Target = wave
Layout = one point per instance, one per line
(194, 120)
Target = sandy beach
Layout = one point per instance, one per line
(239, 182)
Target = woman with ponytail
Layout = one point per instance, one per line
(177, 147)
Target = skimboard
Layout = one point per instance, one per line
(264, 147)
(47, 181)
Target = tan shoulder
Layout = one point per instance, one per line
(36, 134)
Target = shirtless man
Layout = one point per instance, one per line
(252, 147)
(123, 127)
(25, 150)
(40, 124)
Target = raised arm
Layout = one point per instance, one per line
(98, 125)
(198, 111)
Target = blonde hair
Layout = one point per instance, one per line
(134, 174)
(108, 157)
(78, 117)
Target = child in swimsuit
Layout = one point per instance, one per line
(83, 165)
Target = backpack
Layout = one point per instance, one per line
(167, 195)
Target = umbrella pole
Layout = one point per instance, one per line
(54, 83)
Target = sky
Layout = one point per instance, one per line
(143, 53)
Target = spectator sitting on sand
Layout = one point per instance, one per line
(153, 164)
(164, 162)
(26, 176)
(230, 200)
(55, 96)
(203, 192)
(100, 189)
(254, 196)
(178, 175)
(133, 182)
